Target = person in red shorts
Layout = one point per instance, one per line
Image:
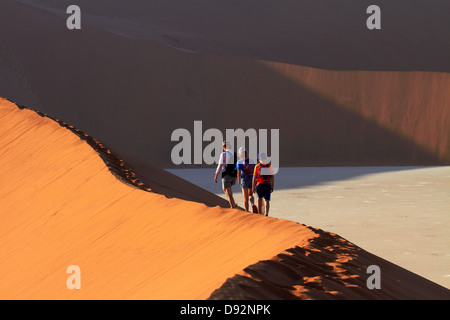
(263, 183)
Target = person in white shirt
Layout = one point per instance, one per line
(227, 166)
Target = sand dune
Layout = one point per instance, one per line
(329, 267)
(318, 33)
(383, 99)
(339, 94)
(399, 213)
(131, 243)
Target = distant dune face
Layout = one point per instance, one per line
(318, 33)
(133, 75)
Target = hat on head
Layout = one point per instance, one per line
(262, 157)
(241, 152)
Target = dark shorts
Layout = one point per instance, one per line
(228, 181)
(247, 182)
(264, 190)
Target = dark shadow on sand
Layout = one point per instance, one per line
(291, 177)
(328, 268)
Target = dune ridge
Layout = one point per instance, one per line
(134, 244)
(128, 243)
(149, 178)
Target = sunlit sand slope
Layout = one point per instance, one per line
(62, 205)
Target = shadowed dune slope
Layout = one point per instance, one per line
(329, 34)
(61, 206)
(328, 267)
(111, 84)
(170, 185)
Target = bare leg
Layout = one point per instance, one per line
(229, 193)
(245, 192)
(267, 206)
(260, 205)
(252, 198)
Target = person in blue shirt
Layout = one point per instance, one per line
(245, 168)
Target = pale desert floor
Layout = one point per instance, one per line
(401, 214)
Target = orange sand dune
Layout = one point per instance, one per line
(61, 205)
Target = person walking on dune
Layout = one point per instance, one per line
(263, 183)
(245, 168)
(227, 166)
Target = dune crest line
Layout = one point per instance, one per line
(128, 243)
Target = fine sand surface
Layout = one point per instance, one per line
(67, 200)
(61, 206)
(399, 213)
